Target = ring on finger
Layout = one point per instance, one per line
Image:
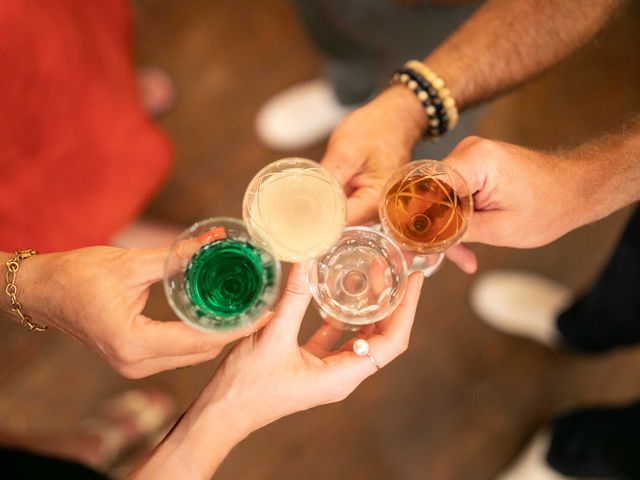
(361, 348)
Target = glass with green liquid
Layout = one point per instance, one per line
(217, 279)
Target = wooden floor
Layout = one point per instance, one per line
(464, 398)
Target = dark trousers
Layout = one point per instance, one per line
(599, 443)
(22, 464)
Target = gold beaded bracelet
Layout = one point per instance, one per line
(11, 289)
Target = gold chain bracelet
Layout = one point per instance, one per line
(13, 266)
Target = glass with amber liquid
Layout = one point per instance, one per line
(425, 208)
(217, 279)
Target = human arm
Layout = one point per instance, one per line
(96, 295)
(526, 198)
(502, 44)
(268, 375)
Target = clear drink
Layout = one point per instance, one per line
(361, 279)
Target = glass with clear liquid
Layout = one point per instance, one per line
(360, 280)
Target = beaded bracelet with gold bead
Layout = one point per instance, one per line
(438, 104)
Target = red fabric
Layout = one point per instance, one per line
(78, 157)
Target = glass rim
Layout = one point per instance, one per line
(251, 190)
(414, 246)
(311, 264)
(184, 235)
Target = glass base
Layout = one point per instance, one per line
(427, 264)
(337, 324)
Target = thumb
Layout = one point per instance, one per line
(362, 206)
(150, 264)
(342, 165)
(485, 227)
(290, 310)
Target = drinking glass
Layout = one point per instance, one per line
(295, 208)
(360, 280)
(217, 279)
(426, 207)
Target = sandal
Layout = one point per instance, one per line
(129, 420)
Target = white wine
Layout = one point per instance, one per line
(298, 213)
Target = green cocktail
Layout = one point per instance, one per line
(217, 279)
(225, 278)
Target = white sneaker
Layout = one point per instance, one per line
(532, 464)
(520, 303)
(300, 116)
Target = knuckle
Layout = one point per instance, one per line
(127, 371)
(296, 290)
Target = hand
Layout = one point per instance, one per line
(97, 294)
(268, 375)
(369, 145)
(523, 198)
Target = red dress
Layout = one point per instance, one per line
(78, 156)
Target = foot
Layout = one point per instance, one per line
(521, 304)
(300, 116)
(157, 91)
(532, 464)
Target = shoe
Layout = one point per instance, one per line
(157, 91)
(300, 116)
(532, 464)
(129, 420)
(521, 304)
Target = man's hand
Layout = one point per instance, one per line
(523, 198)
(369, 145)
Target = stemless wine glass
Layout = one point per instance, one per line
(295, 208)
(360, 280)
(425, 208)
(216, 278)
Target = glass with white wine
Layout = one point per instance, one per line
(295, 208)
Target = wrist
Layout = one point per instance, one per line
(407, 112)
(32, 284)
(198, 443)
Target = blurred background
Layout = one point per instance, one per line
(464, 399)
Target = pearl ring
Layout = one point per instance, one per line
(361, 348)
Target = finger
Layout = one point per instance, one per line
(463, 257)
(150, 263)
(323, 340)
(396, 329)
(487, 228)
(163, 339)
(152, 366)
(362, 206)
(341, 164)
(472, 171)
(291, 308)
(385, 346)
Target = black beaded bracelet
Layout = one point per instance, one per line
(436, 100)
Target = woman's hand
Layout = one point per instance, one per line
(268, 375)
(97, 295)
